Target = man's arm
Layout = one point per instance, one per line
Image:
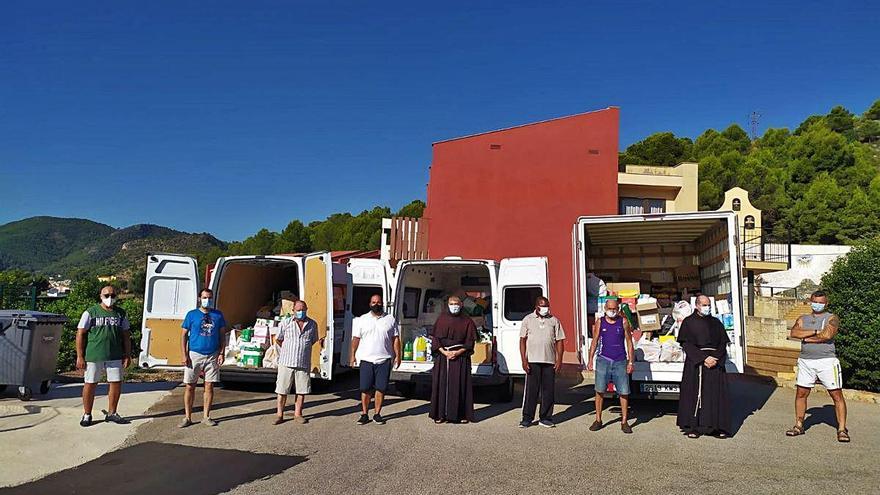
(126, 348)
(593, 343)
(628, 333)
(560, 349)
(398, 356)
(221, 353)
(829, 331)
(797, 332)
(355, 341)
(523, 354)
(81, 348)
(184, 347)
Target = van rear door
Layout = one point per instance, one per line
(172, 284)
(520, 282)
(365, 276)
(317, 292)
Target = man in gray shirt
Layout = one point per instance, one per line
(540, 346)
(818, 361)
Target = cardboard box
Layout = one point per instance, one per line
(649, 316)
(482, 353)
(687, 277)
(618, 287)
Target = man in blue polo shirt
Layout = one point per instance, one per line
(204, 345)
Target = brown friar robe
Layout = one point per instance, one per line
(704, 401)
(452, 397)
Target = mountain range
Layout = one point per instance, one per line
(62, 246)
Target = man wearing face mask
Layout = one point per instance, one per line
(203, 342)
(540, 347)
(704, 403)
(103, 345)
(296, 336)
(612, 334)
(818, 361)
(375, 340)
(452, 344)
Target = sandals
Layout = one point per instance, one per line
(795, 430)
(693, 434)
(843, 436)
(596, 426)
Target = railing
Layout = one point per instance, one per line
(18, 297)
(762, 245)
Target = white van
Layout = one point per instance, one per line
(648, 247)
(241, 285)
(498, 295)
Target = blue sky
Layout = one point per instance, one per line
(227, 117)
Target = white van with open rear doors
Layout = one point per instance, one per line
(651, 251)
(496, 295)
(242, 285)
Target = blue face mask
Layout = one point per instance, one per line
(299, 315)
(817, 307)
(206, 303)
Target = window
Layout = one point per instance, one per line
(749, 222)
(737, 204)
(360, 298)
(641, 206)
(431, 295)
(338, 301)
(520, 301)
(411, 297)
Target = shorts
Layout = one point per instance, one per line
(202, 363)
(375, 376)
(826, 370)
(94, 370)
(614, 372)
(298, 377)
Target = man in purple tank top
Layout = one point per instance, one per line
(612, 335)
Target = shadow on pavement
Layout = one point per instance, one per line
(746, 398)
(162, 468)
(74, 390)
(820, 415)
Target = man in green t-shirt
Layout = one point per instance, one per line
(103, 345)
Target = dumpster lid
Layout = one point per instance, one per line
(25, 315)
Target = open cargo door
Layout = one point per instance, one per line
(172, 285)
(520, 282)
(318, 295)
(366, 276)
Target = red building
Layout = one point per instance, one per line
(518, 191)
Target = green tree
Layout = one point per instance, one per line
(662, 148)
(815, 218)
(859, 219)
(853, 285)
(295, 238)
(414, 209)
(867, 130)
(809, 122)
(840, 120)
(873, 113)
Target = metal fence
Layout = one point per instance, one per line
(762, 245)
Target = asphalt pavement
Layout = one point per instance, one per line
(410, 454)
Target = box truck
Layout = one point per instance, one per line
(650, 250)
(496, 295)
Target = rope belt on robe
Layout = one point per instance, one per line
(700, 386)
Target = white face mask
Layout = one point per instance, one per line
(705, 310)
(611, 313)
(108, 301)
(206, 302)
(454, 308)
(544, 310)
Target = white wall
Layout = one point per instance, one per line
(808, 262)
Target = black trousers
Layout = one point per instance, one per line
(540, 380)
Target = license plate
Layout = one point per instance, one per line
(654, 388)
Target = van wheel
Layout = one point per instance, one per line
(505, 391)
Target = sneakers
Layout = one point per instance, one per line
(300, 420)
(626, 428)
(210, 422)
(378, 419)
(596, 426)
(525, 424)
(185, 422)
(86, 420)
(364, 419)
(115, 418)
(546, 423)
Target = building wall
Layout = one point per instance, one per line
(519, 191)
(677, 185)
(808, 262)
(746, 207)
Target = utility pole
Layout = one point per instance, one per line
(754, 117)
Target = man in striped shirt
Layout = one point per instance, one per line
(296, 336)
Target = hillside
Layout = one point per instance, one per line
(62, 245)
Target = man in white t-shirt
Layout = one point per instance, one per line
(375, 340)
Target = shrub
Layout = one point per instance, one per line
(853, 285)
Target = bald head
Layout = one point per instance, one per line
(703, 305)
(108, 296)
